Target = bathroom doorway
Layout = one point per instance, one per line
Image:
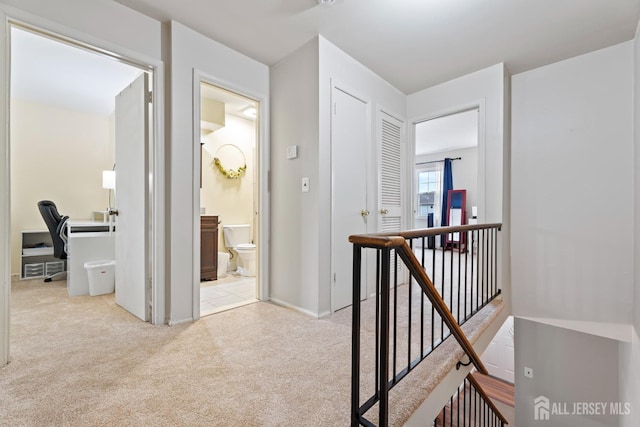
(228, 200)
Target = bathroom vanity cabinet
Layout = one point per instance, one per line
(208, 247)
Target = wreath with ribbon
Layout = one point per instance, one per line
(230, 173)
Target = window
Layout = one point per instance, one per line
(428, 192)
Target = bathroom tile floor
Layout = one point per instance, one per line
(226, 293)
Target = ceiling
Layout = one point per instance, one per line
(54, 73)
(452, 132)
(78, 79)
(412, 44)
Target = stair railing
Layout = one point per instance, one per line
(470, 406)
(480, 241)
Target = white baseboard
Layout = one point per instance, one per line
(294, 307)
(324, 314)
(180, 322)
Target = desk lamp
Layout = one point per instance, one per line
(109, 183)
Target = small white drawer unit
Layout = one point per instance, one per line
(36, 257)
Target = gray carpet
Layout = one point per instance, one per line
(84, 361)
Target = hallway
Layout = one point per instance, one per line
(85, 361)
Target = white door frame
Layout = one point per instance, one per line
(262, 210)
(156, 157)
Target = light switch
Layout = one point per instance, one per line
(305, 185)
(292, 152)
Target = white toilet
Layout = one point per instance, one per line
(237, 239)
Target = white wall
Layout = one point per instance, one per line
(102, 23)
(629, 358)
(572, 194)
(46, 143)
(301, 223)
(636, 187)
(488, 89)
(629, 379)
(568, 367)
(338, 67)
(574, 120)
(190, 52)
(484, 88)
(294, 215)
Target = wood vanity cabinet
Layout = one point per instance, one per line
(208, 247)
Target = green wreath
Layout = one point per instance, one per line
(230, 173)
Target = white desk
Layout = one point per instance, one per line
(86, 241)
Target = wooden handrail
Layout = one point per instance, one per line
(426, 232)
(486, 398)
(412, 263)
(406, 254)
(377, 241)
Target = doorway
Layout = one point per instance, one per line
(69, 106)
(229, 202)
(454, 136)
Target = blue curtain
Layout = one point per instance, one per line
(447, 184)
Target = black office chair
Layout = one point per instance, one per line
(57, 226)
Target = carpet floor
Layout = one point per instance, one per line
(84, 361)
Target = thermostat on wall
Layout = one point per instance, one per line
(292, 152)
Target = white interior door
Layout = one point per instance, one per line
(349, 191)
(132, 130)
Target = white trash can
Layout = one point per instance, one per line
(102, 277)
(223, 262)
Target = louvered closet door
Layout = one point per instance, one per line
(390, 137)
(390, 131)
